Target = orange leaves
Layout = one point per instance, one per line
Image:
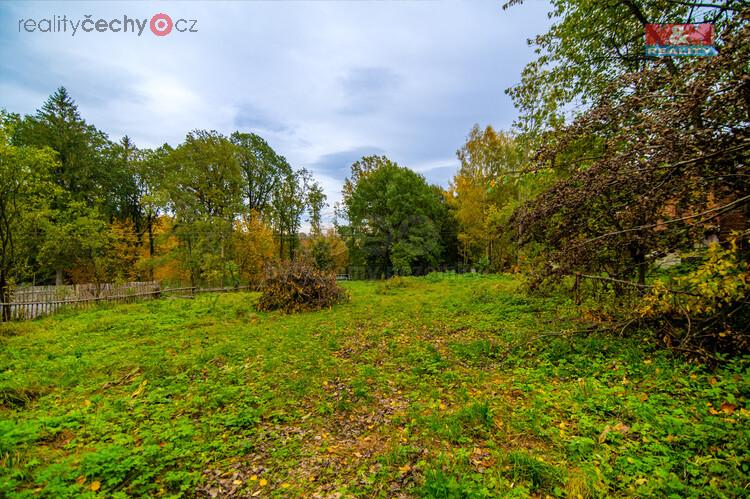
(725, 408)
(728, 408)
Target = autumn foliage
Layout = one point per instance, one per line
(253, 246)
(299, 287)
(710, 314)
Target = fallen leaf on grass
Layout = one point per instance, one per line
(96, 485)
(622, 428)
(140, 389)
(728, 408)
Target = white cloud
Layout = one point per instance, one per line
(317, 79)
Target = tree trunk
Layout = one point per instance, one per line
(150, 236)
(59, 277)
(4, 298)
(150, 223)
(642, 267)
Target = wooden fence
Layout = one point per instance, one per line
(37, 301)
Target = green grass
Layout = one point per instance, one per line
(405, 391)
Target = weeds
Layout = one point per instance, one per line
(397, 393)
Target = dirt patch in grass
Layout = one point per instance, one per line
(18, 398)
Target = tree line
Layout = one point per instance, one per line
(76, 206)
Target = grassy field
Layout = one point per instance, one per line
(408, 390)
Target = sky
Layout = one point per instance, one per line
(324, 82)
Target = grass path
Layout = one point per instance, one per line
(403, 392)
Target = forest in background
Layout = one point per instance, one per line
(616, 161)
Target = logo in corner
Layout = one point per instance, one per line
(669, 40)
(161, 24)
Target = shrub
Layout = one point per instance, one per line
(298, 286)
(711, 314)
(389, 286)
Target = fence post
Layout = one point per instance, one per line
(5, 310)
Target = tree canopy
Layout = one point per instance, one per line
(395, 218)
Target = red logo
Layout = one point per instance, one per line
(161, 24)
(675, 35)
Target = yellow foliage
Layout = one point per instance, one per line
(163, 266)
(124, 251)
(719, 281)
(327, 251)
(115, 262)
(254, 247)
(479, 194)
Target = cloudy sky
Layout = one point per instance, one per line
(325, 82)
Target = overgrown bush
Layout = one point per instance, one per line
(710, 314)
(298, 286)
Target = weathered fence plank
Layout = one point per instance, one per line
(36, 301)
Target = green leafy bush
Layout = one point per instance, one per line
(298, 286)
